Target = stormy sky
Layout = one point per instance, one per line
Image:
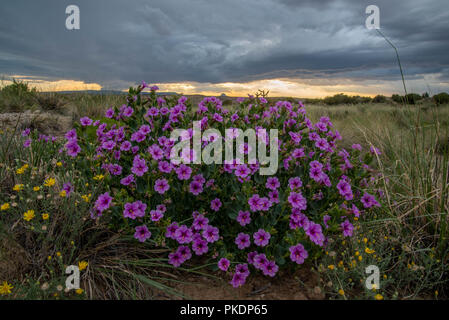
(302, 48)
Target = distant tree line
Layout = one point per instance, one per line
(411, 98)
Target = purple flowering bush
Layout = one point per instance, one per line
(243, 221)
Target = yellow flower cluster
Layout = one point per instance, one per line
(22, 169)
(82, 265)
(18, 187)
(49, 182)
(5, 288)
(4, 207)
(29, 215)
(99, 177)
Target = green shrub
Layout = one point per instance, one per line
(441, 98)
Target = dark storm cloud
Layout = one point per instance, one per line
(121, 42)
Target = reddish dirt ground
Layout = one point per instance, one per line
(303, 285)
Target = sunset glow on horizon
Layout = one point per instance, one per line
(283, 87)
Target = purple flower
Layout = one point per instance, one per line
(125, 146)
(127, 180)
(297, 200)
(134, 210)
(345, 189)
(109, 113)
(27, 143)
(142, 233)
(185, 253)
(183, 234)
(156, 152)
(211, 234)
(270, 268)
(103, 202)
(273, 183)
(200, 246)
(242, 268)
(238, 280)
(260, 260)
(108, 145)
(242, 171)
(369, 201)
(261, 238)
(195, 188)
(139, 166)
(295, 183)
(161, 186)
(215, 204)
(27, 132)
(242, 241)
(128, 112)
(68, 188)
(200, 222)
(156, 215)
(175, 259)
(244, 218)
(85, 121)
(171, 230)
(223, 264)
(72, 148)
(315, 233)
(298, 254)
(183, 172)
(347, 228)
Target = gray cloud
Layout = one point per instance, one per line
(123, 42)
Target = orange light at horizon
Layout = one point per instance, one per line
(281, 87)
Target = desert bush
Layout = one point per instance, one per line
(441, 98)
(412, 98)
(379, 99)
(397, 98)
(50, 102)
(230, 212)
(17, 97)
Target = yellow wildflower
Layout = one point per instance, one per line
(36, 188)
(86, 198)
(341, 292)
(4, 207)
(378, 297)
(49, 182)
(29, 215)
(99, 177)
(45, 216)
(5, 288)
(63, 194)
(82, 265)
(58, 254)
(59, 163)
(18, 187)
(369, 251)
(79, 291)
(331, 267)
